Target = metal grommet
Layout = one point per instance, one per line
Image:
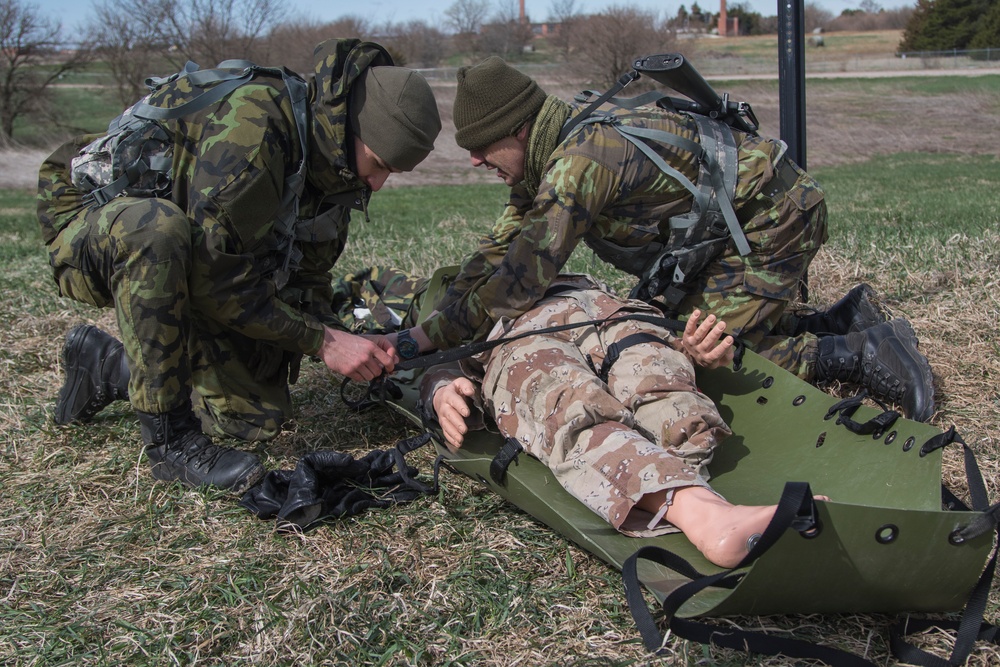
(887, 533)
(812, 532)
(908, 445)
(768, 381)
(890, 438)
(483, 480)
(956, 538)
(799, 400)
(821, 439)
(877, 434)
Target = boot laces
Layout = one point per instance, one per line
(198, 451)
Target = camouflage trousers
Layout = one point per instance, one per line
(753, 293)
(609, 443)
(134, 255)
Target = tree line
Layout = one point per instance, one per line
(132, 39)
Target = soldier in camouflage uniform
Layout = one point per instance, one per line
(596, 186)
(632, 441)
(222, 282)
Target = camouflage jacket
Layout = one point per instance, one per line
(231, 162)
(595, 185)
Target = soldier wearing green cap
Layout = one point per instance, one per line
(220, 281)
(631, 204)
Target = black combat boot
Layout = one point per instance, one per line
(857, 311)
(177, 449)
(96, 374)
(885, 359)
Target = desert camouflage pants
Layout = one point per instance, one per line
(752, 294)
(134, 255)
(646, 429)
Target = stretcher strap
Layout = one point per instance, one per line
(795, 510)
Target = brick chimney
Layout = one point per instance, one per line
(723, 19)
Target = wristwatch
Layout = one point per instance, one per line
(407, 347)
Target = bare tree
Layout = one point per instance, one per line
(27, 42)
(815, 16)
(291, 43)
(566, 16)
(614, 39)
(128, 47)
(209, 31)
(505, 35)
(465, 18)
(414, 43)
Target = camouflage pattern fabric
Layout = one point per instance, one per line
(596, 185)
(195, 280)
(646, 429)
(378, 300)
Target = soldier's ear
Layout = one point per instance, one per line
(523, 132)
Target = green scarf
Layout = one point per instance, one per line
(543, 140)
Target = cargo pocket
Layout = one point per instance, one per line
(770, 284)
(249, 203)
(78, 278)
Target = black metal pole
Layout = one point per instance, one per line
(792, 90)
(792, 77)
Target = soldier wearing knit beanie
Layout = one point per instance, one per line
(493, 100)
(392, 110)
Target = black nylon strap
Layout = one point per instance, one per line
(472, 349)
(615, 350)
(571, 124)
(507, 454)
(795, 510)
(971, 627)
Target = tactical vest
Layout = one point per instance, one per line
(698, 236)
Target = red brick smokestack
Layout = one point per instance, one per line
(524, 18)
(723, 19)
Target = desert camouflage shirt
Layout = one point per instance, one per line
(595, 185)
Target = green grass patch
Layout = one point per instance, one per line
(104, 566)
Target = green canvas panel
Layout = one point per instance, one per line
(880, 487)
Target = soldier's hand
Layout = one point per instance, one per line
(706, 343)
(361, 358)
(451, 404)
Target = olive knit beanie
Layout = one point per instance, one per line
(392, 110)
(493, 100)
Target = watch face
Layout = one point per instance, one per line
(406, 346)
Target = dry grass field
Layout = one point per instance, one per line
(100, 565)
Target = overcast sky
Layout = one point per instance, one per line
(74, 12)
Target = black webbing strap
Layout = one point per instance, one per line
(795, 510)
(971, 627)
(472, 349)
(615, 350)
(572, 123)
(846, 408)
(507, 454)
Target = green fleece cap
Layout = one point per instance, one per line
(392, 110)
(493, 101)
